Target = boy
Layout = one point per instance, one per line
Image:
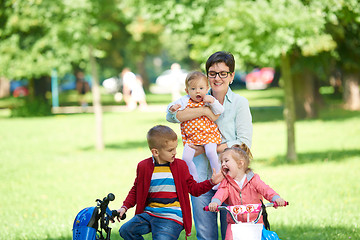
(161, 191)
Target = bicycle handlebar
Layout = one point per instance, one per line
(103, 205)
(105, 202)
(248, 208)
(117, 214)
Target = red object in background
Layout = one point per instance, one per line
(260, 78)
(264, 75)
(20, 92)
(267, 75)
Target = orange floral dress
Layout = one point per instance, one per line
(201, 130)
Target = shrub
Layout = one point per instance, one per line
(32, 108)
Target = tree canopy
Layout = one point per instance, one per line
(37, 36)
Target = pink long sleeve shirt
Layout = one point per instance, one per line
(253, 190)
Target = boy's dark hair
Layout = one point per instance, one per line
(159, 135)
(221, 56)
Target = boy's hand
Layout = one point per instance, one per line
(213, 206)
(174, 108)
(216, 177)
(121, 211)
(280, 202)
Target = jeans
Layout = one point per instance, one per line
(140, 224)
(206, 223)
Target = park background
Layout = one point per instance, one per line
(306, 128)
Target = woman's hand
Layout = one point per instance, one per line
(191, 113)
(208, 113)
(221, 147)
(198, 149)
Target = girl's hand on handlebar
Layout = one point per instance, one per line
(280, 202)
(213, 207)
(121, 212)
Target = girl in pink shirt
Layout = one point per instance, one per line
(241, 185)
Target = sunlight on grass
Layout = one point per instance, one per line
(263, 98)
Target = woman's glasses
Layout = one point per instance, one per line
(222, 74)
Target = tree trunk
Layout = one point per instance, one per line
(31, 88)
(141, 66)
(352, 92)
(99, 143)
(289, 111)
(304, 93)
(4, 87)
(319, 100)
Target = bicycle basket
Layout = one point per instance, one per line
(85, 224)
(246, 231)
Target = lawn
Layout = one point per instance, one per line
(50, 170)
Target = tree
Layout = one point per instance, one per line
(43, 35)
(261, 32)
(93, 21)
(30, 39)
(344, 26)
(145, 36)
(31, 45)
(308, 72)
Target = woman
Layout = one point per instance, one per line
(235, 125)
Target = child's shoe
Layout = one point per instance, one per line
(215, 188)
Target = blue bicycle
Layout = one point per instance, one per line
(92, 223)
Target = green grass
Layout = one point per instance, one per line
(50, 171)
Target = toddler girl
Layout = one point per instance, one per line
(241, 185)
(201, 130)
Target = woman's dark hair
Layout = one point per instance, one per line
(221, 56)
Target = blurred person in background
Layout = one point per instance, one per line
(177, 76)
(82, 87)
(133, 91)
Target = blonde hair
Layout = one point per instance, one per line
(240, 153)
(159, 136)
(196, 75)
